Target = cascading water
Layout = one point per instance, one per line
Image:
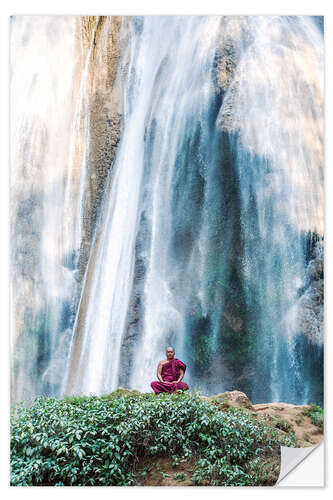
(277, 127)
(210, 232)
(41, 114)
(164, 112)
(48, 195)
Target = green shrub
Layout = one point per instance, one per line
(316, 414)
(281, 423)
(180, 476)
(299, 419)
(100, 440)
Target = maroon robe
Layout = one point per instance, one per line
(170, 372)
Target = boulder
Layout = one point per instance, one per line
(235, 399)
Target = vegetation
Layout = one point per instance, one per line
(316, 414)
(281, 423)
(101, 440)
(181, 476)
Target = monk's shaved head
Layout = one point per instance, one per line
(170, 353)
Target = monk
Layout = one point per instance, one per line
(170, 373)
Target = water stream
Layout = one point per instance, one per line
(211, 212)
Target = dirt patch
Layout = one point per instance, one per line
(307, 434)
(162, 472)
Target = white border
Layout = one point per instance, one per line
(143, 7)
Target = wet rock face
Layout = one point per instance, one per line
(26, 245)
(101, 36)
(235, 322)
(92, 131)
(26, 216)
(101, 45)
(235, 36)
(311, 303)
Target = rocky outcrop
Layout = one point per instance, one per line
(235, 35)
(235, 399)
(99, 39)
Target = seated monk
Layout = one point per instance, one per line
(170, 372)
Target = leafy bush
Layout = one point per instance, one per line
(316, 414)
(281, 423)
(99, 440)
(180, 476)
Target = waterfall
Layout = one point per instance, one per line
(208, 230)
(43, 284)
(143, 192)
(277, 127)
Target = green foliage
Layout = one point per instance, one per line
(238, 348)
(198, 342)
(316, 414)
(201, 352)
(299, 419)
(99, 441)
(180, 476)
(281, 423)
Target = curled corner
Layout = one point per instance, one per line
(292, 457)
